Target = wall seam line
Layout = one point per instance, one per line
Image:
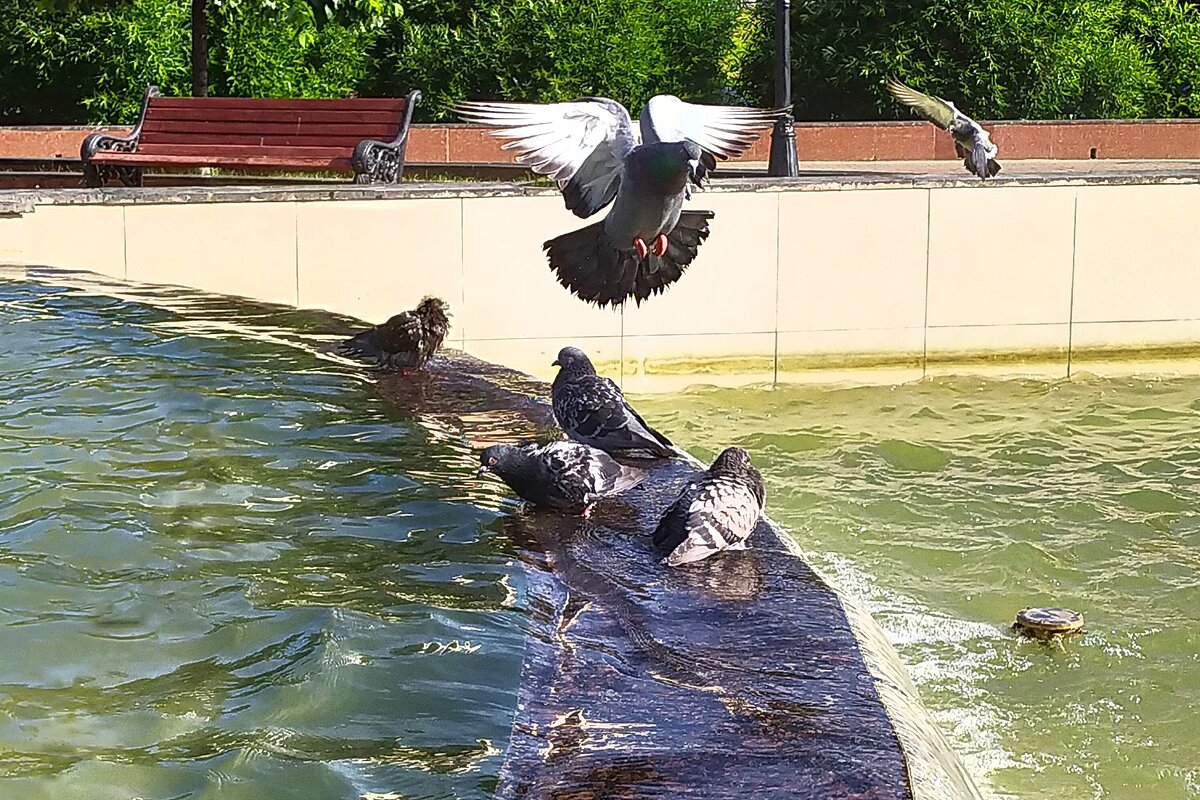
(1071, 301)
(925, 320)
(778, 267)
(124, 245)
(621, 346)
(296, 246)
(462, 263)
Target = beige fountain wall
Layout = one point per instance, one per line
(867, 284)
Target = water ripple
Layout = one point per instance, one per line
(950, 504)
(224, 562)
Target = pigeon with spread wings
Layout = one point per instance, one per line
(591, 148)
(972, 143)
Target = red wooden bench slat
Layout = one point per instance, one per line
(281, 134)
(159, 129)
(282, 115)
(217, 104)
(333, 163)
(218, 151)
(198, 141)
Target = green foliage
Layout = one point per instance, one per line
(73, 61)
(258, 52)
(92, 64)
(71, 67)
(997, 58)
(548, 50)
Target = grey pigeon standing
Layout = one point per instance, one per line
(562, 475)
(592, 410)
(718, 511)
(590, 147)
(406, 341)
(972, 143)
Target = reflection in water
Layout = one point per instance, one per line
(734, 576)
(735, 674)
(226, 567)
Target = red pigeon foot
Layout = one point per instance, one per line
(640, 247)
(660, 245)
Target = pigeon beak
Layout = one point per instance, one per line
(484, 470)
(555, 363)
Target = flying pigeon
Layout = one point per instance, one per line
(971, 142)
(717, 511)
(592, 410)
(590, 147)
(563, 475)
(406, 341)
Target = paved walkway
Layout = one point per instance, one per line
(1039, 168)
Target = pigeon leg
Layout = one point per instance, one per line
(660, 245)
(639, 247)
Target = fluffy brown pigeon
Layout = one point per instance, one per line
(592, 409)
(406, 341)
(717, 511)
(591, 148)
(561, 475)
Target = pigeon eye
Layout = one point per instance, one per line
(492, 460)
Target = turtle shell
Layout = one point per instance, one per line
(1043, 623)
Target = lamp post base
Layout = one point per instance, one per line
(783, 163)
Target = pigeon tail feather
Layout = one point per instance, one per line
(597, 270)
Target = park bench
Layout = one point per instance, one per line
(363, 135)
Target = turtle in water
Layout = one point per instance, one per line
(1048, 624)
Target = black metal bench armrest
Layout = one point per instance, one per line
(375, 161)
(95, 142)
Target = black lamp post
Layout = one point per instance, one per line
(783, 161)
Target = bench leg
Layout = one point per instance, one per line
(92, 176)
(128, 176)
(377, 162)
(97, 175)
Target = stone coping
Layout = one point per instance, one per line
(829, 176)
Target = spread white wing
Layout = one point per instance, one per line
(935, 109)
(720, 131)
(724, 131)
(581, 144)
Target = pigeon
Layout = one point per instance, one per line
(562, 475)
(971, 142)
(717, 511)
(591, 148)
(592, 410)
(406, 341)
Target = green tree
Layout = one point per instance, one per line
(302, 17)
(549, 50)
(996, 58)
(62, 66)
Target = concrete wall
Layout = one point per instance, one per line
(868, 283)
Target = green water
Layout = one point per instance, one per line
(227, 570)
(949, 505)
